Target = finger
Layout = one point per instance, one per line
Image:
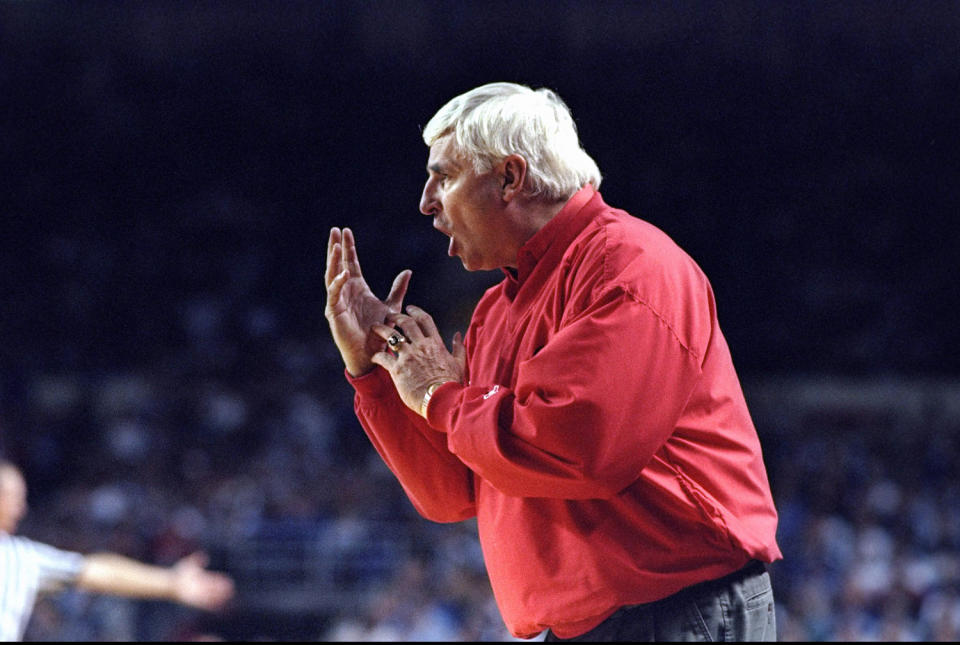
(382, 331)
(223, 590)
(386, 360)
(335, 288)
(459, 350)
(227, 586)
(399, 290)
(350, 260)
(332, 261)
(200, 559)
(190, 562)
(424, 320)
(409, 326)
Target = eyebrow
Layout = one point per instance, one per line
(437, 168)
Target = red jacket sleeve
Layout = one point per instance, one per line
(437, 483)
(587, 412)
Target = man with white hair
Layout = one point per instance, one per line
(591, 418)
(28, 568)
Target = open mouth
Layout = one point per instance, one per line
(451, 250)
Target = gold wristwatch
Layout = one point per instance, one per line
(426, 396)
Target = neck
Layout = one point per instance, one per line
(535, 215)
(528, 216)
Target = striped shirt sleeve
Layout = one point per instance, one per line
(26, 569)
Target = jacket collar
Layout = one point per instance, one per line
(557, 234)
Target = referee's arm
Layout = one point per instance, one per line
(187, 582)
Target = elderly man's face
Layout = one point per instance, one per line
(13, 499)
(467, 207)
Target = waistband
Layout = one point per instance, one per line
(751, 569)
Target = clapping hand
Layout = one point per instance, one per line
(352, 309)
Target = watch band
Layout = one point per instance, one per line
(427, 396)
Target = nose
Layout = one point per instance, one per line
(429, 203)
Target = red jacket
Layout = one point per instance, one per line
(602, 439)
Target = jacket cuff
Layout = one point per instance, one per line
(375, 384)
(443, 406)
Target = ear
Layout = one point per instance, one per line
(513, 175)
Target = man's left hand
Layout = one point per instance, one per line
(420, 359)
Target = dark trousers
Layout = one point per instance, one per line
(737, 607)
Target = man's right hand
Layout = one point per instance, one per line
(352, 309)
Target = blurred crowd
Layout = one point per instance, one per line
(870, 529)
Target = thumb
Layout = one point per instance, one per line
(398, 290)
(197, 559)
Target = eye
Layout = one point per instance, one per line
(438, 177)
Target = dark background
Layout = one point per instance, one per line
(169, 172)
(805, 154)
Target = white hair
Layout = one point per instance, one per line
(495, 120)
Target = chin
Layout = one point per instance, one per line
(472, 267)
(477, 264)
